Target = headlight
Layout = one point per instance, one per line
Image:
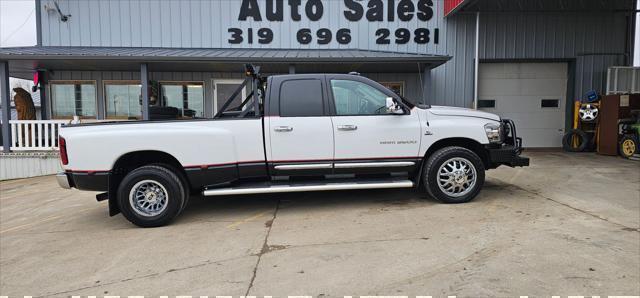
(494, 132)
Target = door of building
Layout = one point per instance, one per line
(531, 94)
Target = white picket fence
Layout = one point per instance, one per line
(35, 135)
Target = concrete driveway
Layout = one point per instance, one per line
(567, 225)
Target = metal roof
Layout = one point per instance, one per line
(216, 55)
(548, 6)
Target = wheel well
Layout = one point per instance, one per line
(132, 160)
(136, 159)
(470, 144)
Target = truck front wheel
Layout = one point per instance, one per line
(453, 175)
(151, 196)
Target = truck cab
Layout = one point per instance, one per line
(339, 124)
(303, 132)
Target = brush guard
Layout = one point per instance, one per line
(508, 153)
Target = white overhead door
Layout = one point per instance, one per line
(531, 94)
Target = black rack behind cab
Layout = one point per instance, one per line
(257, 91)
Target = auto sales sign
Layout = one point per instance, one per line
(334, 23)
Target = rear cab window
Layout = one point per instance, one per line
(301, 98)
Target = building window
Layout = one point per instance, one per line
(550, 103)
(222, 91)
(396, 87)
(186, 97)
(123, 99)
(73, 98)
(486, 103)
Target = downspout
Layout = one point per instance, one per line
(476, 62)
(5, 95)
(38, 23)
(144, 82)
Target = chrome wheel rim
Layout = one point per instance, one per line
(148, 198)
(588, 113)
(457, 177)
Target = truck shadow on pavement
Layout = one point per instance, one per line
(212, 207)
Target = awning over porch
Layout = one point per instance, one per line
(23, 60)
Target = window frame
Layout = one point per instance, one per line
(384, 90)
(50, 84)
(182, 83)
(216, 81)
(106, 102)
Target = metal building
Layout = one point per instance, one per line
(526, 60)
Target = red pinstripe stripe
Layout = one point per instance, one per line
(86, 171)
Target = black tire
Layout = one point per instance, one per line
(183, 179)
(567, 141)
(591, 145)
(158, 175)
(433, 164)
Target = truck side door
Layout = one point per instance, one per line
(300, 134)
(367, 138)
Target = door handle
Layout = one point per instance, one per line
(347, 127)
(283, 128)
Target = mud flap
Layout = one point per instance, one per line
(111, 195)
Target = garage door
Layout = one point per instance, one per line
(532, 94)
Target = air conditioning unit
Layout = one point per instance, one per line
(623, 80)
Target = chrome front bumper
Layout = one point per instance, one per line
(63, 180)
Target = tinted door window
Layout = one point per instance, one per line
(356, 98)
(300, 98)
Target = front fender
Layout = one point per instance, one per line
(446, 127)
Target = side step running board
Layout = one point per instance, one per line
(306, 186)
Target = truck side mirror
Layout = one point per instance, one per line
(393, 107)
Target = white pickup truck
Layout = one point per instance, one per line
(302, 132)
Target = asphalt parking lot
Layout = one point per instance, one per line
(567, 225)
